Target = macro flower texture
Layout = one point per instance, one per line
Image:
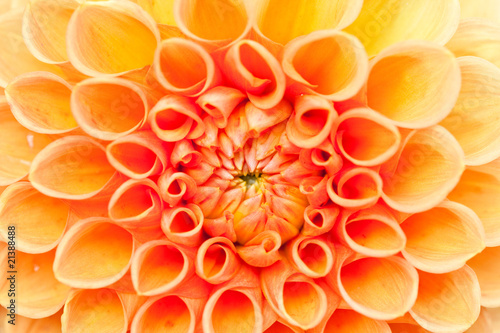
(248, 166)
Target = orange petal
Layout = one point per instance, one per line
(73, 167)
(79, 261)
(348, 321)
(111, 38)
(447, 302)
(216, 260)
(454, 236)
(425, 170)
(329, 63)
(483, 324)
(318, 221)
(407, 328)
(262, 250)
(222, 226)
(51, 324)
(426, 98)
(109, 108)
(312, 257)
(353, 132)
(183, 225)
(40, 220)
(219, 102)
(379, 288)
(161, 10)
(176, 186)
(37, 292)
(138, 155)
(486, 268)
(40, 101)
(185, 154)
(260, 120)
(314, 188)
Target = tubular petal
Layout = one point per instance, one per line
(483, 324)
(379, 288)
(216, 260)
(314, 188)
(40, 220)
(318, 221)
(447, 302)
(38, 293)
(312, 257)
(383, 23)
(426, 169)
(260, 120)
(454, 236)
(184, 67)
(176, 186)
(262, 250)
(44, 29)
(73, 167)
(219, 102)
(329, 63)
(109, 108)
(160, 266)
(79, 261)
(253, 69)
(485, 265)
(485, 9)
(354, 130)
(40, 101)
(51, 324)
(471, 120)
(94, 310)
(111, 38)
(348, 321)
(183, 225)
(415, 83)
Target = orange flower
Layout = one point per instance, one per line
(249, 166)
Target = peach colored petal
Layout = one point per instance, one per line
(447, 302)
(38, 293)
(174, 118)
(372, 232)
(184, 224)
(427, 167)
(348, 321)
(379, 288)
(40, 220)
(79, 260)
(219, 102)
(292, 173)
(216, 260)
(483, 324)
(253, 69)
(383, 23)
(312, 257)
(407, 328)
(18, 146)
(40, 101)
(487, 10)
(106, 38)
(414, 83)
(328, 63)
(138, 155)
(109, 108)
(471, 120)
(51, 324)
(282, 327)
(222, 226)
(323, 156)
(454, 236)
(73, 167)
(176, 186)
(314, 188)
(262, 250)
(485, 265)
(320, 220)
(354, 130)
(185, 154)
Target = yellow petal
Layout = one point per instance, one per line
(486, 268)
(111, 38)
(383, 23)
(216, 260)
(38, 293)
(161, 10)
(73, 167)
(484, 9)
(79, 261)
(40, 101)
(447, 302)
(415, 83)
(426, 169)
(471, 120)
(443, 238)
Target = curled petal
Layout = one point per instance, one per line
(138, 155)
(486, 10)
(111, 38)
(318, 221)
(485, 265)
(216, 260)
(454, 236)
(354, 130)
(40, 220)
(311, 121)
(176, 186)
(40, 101)
(253, 69)
(260, 120)
(174, 118)
(79, 261)
(185, 154)
(183, 225)
(415, 83)
(184, 67)
(161, 266)
(381, 24)
(51, 324)
(262, 250)
(219, 102)
(281, 326)
(314, 188)
(109, 108)
(356, 188)
(447, 302)
(348, 321)
(425, 170)
(471, 120)
(329, 63)
(38, 293)
(206, 198)
(44, 29)
(379, 288)
(73, 167)
(312, 257)
(222, 226)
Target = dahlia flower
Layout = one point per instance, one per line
(250, 166)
